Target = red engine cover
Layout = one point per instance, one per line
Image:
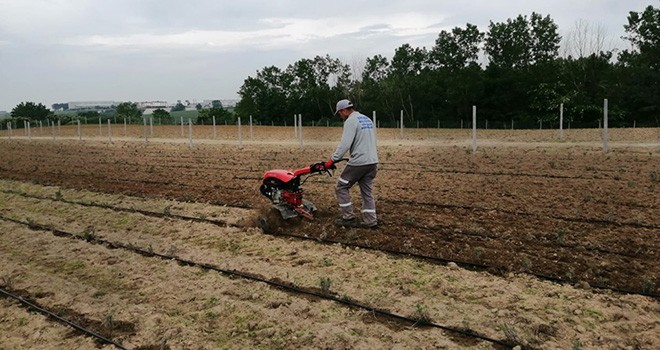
(282, 175)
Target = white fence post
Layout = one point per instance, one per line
(401, 125)
(250, 127)
(182, 133)
(100, 129)
(240, 134)
(375, 122)
(79, 134)
(215, 133)
(151, 126)
(606, 135)
(9, 129)
(300, 130)
(109, 131)
(190, 137)
(125, 131)
(52, 129)
(144, 129)
(474, 129)
(561, 121)
(29, 130)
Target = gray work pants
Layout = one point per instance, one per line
(364, 175)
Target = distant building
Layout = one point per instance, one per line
(192, 104)
(152, 104)
(80, 105)
(229, 103)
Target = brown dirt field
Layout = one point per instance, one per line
(523, 204)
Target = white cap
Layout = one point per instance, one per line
(342, 104)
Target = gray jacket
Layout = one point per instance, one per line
(359, 138)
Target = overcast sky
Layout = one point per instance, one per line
(138, 50)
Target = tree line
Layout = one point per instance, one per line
(514, 72)
(523, 80)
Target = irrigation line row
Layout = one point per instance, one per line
(419, 168)
(522, 213)
(221, 223)
(462, 263)
(287, 287)
(43, 311)
(241, 205)
(492, 236)
(162, 164)
(121, 209)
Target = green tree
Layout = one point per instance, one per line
(62, 106)
(376, 92)
(508, 44)
(587, 81)
(457, 49)
(522, 75)
(264, 97)
(545, 39)
(457, 77)
(313, 86)
(89, 116)
(221, 115)
(639, 68)
(129, 110)
(407, 66)
(178, 107)
(163, 116)
(31, 112)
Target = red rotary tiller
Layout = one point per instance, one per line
(283, 188)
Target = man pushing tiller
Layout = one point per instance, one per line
(283, 187)
(358, 138)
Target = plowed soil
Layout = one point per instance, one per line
(523, 204)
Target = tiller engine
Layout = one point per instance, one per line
(283, 188)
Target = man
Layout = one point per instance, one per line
(360, 139)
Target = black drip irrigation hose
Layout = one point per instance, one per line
(60, 319)
(462, 263)
(420, 168)
(434, 259)
(287, 287)
(124, 210)
(522, 213)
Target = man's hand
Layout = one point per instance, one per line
(317, 167)
(330, 164)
